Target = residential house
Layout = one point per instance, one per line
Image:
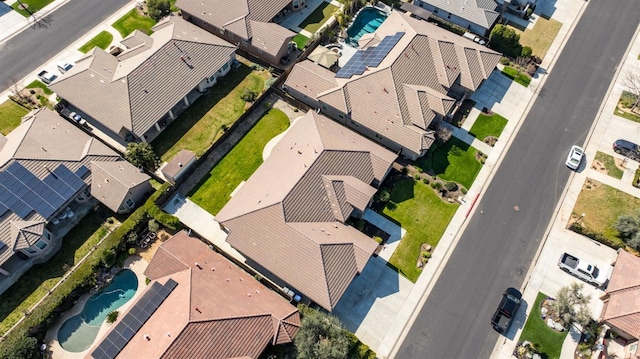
(290, 218)
(621, 310)
(48, 168)
(246, 23)
(477, 16)
(406, 77)
(138, 92)
(198, 305)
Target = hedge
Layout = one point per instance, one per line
(32, 330)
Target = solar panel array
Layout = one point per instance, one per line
(370, 57)
(21, 192)
(118, 338)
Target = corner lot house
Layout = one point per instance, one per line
(48, 168)
(137, 93)
(477, 16)
(245, 23)
(198, 305)
(289, 218)
(621, 310)
(407, 77)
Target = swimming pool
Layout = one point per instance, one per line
(367, 21)
(78, 332)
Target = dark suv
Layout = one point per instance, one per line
(507, 309)
(627, 149)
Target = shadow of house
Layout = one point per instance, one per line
(406, 78)
(137, 93)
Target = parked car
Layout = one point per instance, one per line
(575, 157)
(585, 271)
(64, 66)
(75, 117)
(46, 76)
(627, 149)
(507, 309)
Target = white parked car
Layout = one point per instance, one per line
(575, 157)
(64, 66)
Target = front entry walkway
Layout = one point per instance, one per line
(396, 233)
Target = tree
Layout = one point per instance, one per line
(632, 82)
(321, 336)
(572, 306)
(141, 155)
(628, 227)
(158, 8)
(505, 40)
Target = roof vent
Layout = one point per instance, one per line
(179, 164)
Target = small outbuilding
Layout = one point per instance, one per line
(179, 164)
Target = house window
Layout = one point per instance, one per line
(225, 66)
(41, 244)
(449, 16)
(130, 203)
(341, 116)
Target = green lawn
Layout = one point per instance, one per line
(536, 331)
(454, 161)
(34, 284)
(32, 5)
(488, 125)
(539, 38)
(610, 165)
(419, 210)
(134, 20)
(300, 40)
(240, 163)
(602, 205)
(318, 17)
(102, 40)
(200, 125)
(10, 116)
(520, 77)
(39, 84)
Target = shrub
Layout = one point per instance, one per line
(384, 196)
(505, 40)
(158, 8)
(132, 251)
(20, 347)
(377, 239)
(416, 177)
(436, 185)
(426, 254)
(505, 61)
(405, 170)
(425, 180)
(526, 51)
(153, 225)
(463, 190)
(112, 316)
(451, 186)
(248, 95)
(170, 221)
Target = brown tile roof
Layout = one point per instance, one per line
(113, 181)
(142, 84)
(481, 12)
(26, 233)
(399, 98)
(622, 298)
(42, 142)
(293, 226)
(177, 162)
(216, 311)
(249, 19)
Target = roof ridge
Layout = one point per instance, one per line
(96, 163)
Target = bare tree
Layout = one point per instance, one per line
(632, 82)
(16, 88)
(521, 63)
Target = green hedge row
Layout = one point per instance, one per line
(22, 342)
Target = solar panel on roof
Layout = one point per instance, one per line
(83, 170)
(369, 57)
(141, 311)
(3, 210)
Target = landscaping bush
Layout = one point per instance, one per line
(599, 237)
(377, 239)
(248, 95)
(153, 225)
(526, 51)
(505, 61)
(425, 180)
(531, 69)
(384, 196)
(112, 316)
(505, 40)
(170, 221)
(436, 185)
(416, 177)
(451, 186)
(20, 347)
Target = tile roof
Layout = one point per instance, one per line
(622, 298)
(177, 163)
(293, 226)
(482, 12)
(216, 311)
(140, 85)
(249, 19)
(399, 98)
(42, 142)
(113, 181)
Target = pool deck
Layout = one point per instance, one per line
(55, 351)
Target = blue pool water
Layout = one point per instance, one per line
(367, 21)
(78, 332)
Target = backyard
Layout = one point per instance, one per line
(33, 6)
(41, 277)
(10, 115)
(239, 164)
(134, 20)
(539, 38)
(453, 161)
(301, 41)
(488, 126)
(318, 17)
(202, 123)
(536, 331)
(102, 40)
(417, 208)
(602, 205)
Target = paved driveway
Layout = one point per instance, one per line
(372, 302)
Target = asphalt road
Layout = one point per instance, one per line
(500, 241)
(37, 44)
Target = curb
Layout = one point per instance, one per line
(42, 13)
